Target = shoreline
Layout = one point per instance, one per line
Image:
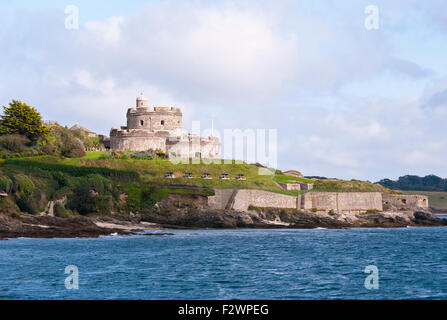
(29, 226)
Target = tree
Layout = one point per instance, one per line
(19, 118)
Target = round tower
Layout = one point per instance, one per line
(141, 101)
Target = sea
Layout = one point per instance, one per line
(376, 263)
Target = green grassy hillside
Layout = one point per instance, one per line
(97, 184)
(153, 171)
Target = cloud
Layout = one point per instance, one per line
(408, 68)
(437, 99)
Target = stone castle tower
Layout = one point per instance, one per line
(161, 128)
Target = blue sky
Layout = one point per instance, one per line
(347, 102)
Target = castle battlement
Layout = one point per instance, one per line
(154, 110)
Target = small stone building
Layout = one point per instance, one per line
(160, 128)
(296, 185)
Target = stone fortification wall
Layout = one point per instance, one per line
(404, 202)
(136, 141)
(259, 198)
(220, 198)
(341, 202)
(159, 119)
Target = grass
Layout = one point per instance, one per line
(290, 179)
(436, 199)
(153, 171)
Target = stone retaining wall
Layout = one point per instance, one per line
(341, 202)
(259, 198)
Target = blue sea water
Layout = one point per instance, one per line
(231, 264)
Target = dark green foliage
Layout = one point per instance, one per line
(124, 175)
(23, 184)
(74, 153)
(92, 194)
(5, 183)
(30, 203)
(411, 182)
(82, 199)
(61, 212)
(19, 118)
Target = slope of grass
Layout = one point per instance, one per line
(153, 171)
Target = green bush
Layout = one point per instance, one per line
(60, 211)
(29, 203)
(23, 184)
(75, 153)
(14, 142)
(5, 183)
(314, 209)
(82, 199)
(124, 175)
(104, 204)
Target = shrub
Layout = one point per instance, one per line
(314, 209)
(124, 175)
(60, 211)
(5, 154)
(49, 149)
(75, 153)
(29, 202)
(5, 183)
(104, 204)
(82, 199)
(23, 184)
(13, 142)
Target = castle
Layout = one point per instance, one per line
(160, 128)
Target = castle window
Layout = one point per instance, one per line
(162, 122)
(141, 122)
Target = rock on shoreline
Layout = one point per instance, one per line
(29, 226)
(13, 226)
(290, 218)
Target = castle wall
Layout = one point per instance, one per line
(135, 142)
(260, 198)
(194, 147)
(145, 118)
(341, 202)
(220, 198)
(289, 186)
(404, 202)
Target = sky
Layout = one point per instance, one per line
(346, 101)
